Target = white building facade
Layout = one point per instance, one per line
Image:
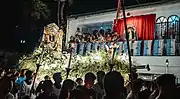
(156, 63)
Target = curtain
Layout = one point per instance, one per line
(144, 25)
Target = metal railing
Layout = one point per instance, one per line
(138, 48)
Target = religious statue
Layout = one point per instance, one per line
(52, 37)
(132, 33)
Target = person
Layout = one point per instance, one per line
(72, 39)
(57, 85)
(102, 31)
(47, 77)
(77, 39)
(133, 77)
(67, 87)
(79, 81)
(83, 38)
(22, 77)
(98, 87)
(15, 88)
(47, 91)
(79, 94)
(39, 87)
(167, 87)
(154, 94)
(78, 32)
(146, 92)
(91, 38)
(108, 38)
(6, 86)
(94, 39)
(113, 85)
(178, 89)
(132, 33)
(88, 38)
(101, 38)
(115, 36)
(27, 85)
(89, 82)
(2, 72)
(136, 87)
(155, 90)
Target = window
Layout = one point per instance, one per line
(161, 27)
(173, 31)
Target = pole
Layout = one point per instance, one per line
(58, 12)
(62, 12)
(68, 69)
(127, 36)
(37, 69)
(127, 39)
(112, 59)
(118, 11)
(32, 88)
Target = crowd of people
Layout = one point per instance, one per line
(99, 36)
(102, 36)
(111, 85)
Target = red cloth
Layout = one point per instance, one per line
(144, 24)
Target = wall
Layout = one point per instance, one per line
(160, 10)
(158, 64)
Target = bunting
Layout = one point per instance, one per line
(170, 47)
(137, 48)
(158, 47)
(147, 47)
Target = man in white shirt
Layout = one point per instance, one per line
(78, 32)
(27, 85)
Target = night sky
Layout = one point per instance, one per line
(85, 6)
(12, 16)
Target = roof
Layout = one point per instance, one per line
(127, 6)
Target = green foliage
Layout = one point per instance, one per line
(50, 62)
(96, 61)
(39, 10)
(80, 65)
(35, 9)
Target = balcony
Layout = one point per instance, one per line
(166, 47)
(166, 41)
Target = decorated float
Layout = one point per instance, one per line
(51, 58)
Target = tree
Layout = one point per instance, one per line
(34, 10)
(39, 10)
(61, 10)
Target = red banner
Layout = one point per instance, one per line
(143, 26)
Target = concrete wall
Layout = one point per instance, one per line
(160, 10)
(158, 64)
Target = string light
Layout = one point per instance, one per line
(23, 41)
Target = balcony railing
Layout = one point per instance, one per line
(166, 47)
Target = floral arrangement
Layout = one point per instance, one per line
(97, 61)
(57, 62)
